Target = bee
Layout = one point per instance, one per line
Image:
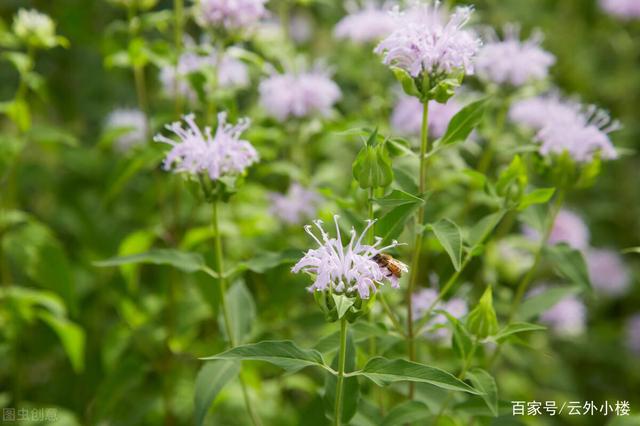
(393, 266)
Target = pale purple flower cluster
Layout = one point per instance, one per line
(623, 9)
(365, 25)
(231, 73)
(425, 40)
(567, 127)
(568, 228)
(296, 206)
(132, 123)
(424, 299)
(230, 14)
(567, 318)
(298, 95)
(407, 116)
(633, 334)
(608, 273)
(514, 62)
(347, 269)
(216, 155)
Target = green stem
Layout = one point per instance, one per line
(463, 371)
(424, 141)
(219, 263)
(178, 13)
(337, 415)
(489, 151)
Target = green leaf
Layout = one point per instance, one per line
(397, 198)
(407, 82)
(383, 371)
(392, 223)
(242, 312)
(515, 328)
(486, 384)
(283, 353)
(372, 166)
(267, 260)
(350, 390)
(135, 243)
(516, 173)
(343, 303)
(71, 335)
(535, 305)
(483, 228)
(537, 196)
(631, 250)
(448, 233)
(464, 122)
(212, 377)
(407, 412)
(569, 263)
(461, 341)
(482, 320)
(185, 261)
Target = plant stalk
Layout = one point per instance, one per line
(337, 415)
(424, 141)
(219, 264)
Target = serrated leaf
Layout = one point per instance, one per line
(486, 384)
(406, 413)
(383, 371)
(283, 353)
(515, 328)
(449, 236)
(211, 379)
(463, 123)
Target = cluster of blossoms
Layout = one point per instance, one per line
(297, 95)
(230, 73)
(566, 318)
(424, 299)
(607, 272)
(132, 123)
(296, 206)
(567, 228)
(365, 25)
(513, 62)
(623, 9)
(425, 40)
(567, 127)
(346, 270)
(230, 14)
(216, 155)
(35, 29)
(407, 116)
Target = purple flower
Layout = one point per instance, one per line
(219, 155)
(512, 61)
(347, 269)
(231, 73)
(407, 116)
(422, 301)
(297, 205)
(568, 228)
(230, 14)
(426, 40)
(607, 272)
(623, 9)
(365, 25)
(132, 123)
(633, 333)
(567, 318)
(564, 126)
(298, 95)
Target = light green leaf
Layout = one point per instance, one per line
(343, 303)
(464, 122)
(406, 413)
(537, 196)
(483, 228)
(185, 261)
(383, 371)
(397, 198)
(569, 263)
(517, 327)
(283, 353)
(486, 384)
(461, 341)
(535, 305)
(212, 377)
(71, 335)
(482, 320)
(448, 233)
(242, 312)
(392, 223)
(135, 243)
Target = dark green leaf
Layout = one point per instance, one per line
(71, 335)
(392, 223)
(406, 413)
(448, 233)
(185, 261)
(517, 327)
(242, 312)
(464, 122)
(486, 384)
(569, 263)
(350, 390)
(212, 377)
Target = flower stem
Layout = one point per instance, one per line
(337, 415)
(424, 140)
(219, 263)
